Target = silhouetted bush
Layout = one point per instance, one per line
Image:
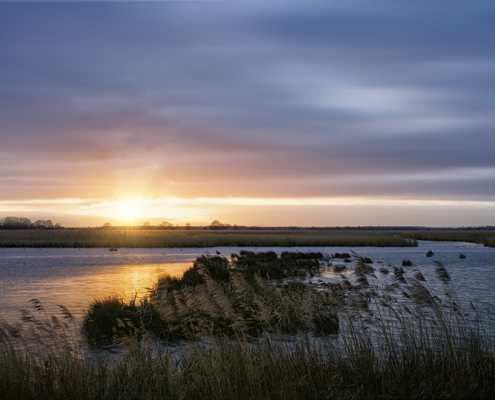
(341, 255)
(109, 318)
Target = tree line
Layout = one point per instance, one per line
(25, 223)
(215, 225)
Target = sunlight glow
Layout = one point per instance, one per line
(202, 210)
(129, 209)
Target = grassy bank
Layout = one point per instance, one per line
(420, 347)
(136, 238)
(486, 238)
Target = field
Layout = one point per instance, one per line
(135, 238)
(393, 341)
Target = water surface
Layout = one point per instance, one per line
(74, 277)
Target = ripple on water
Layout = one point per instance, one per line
(74, 277)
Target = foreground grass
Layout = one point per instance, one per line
(387, 348)
(135, 238)
(238, 370)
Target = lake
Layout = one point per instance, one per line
(74, 277)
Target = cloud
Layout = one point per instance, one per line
(255, 99)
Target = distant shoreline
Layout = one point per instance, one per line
(169, 238)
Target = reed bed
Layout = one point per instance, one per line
(482, 237)
(218, 297)
(155, 238)
(396, 340)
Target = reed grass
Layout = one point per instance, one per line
(141, 238)
(483, 237)
(339, 267)
(219, 297)
(268, 369)
(108, 317)
(395, 341)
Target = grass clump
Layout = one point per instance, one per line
(110, 317)
(244, 303)
(430, 253)
(341, 255)
(219, 297)
(269, 266)
(339, 267)
(407, 263)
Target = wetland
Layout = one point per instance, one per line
(349, 322)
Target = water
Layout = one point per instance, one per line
(74, 277)
(472, 278)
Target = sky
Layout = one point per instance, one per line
(268, 113)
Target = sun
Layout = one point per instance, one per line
(139, 210)
(128, 209)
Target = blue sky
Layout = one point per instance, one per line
(253, 112)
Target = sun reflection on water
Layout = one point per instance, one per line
(77, 292)
(136, 280)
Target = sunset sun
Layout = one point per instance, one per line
(128, 209)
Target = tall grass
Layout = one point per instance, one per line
(217, 297)
(396, 340)
(486, 238)
(135, 238)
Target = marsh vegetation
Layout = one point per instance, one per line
(395, 340)
(482, 237)
(218, 297)
(142, 238)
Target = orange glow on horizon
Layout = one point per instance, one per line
(130, 209)
(250, 211)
